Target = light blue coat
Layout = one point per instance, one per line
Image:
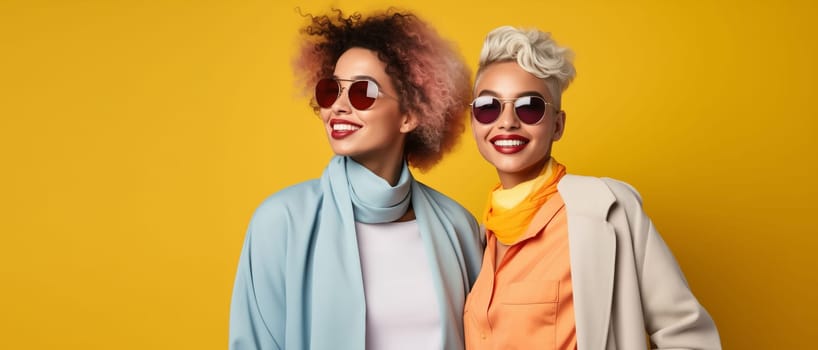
(299, 285)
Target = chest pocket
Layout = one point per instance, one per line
(529, 311)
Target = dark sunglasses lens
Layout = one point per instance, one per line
(486, 109)
(326, 92)
(530, 109)
(362, 94)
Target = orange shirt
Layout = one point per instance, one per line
(525, 302)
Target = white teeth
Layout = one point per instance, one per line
(345, 127)
(509, 143)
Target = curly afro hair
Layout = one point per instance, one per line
(429, 74)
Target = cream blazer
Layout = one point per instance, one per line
(626, 281)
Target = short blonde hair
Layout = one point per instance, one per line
(536, 52)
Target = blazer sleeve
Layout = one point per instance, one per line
(257, 307)
(674, 319)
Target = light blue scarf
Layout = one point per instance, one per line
(373, 199)
(352, 191)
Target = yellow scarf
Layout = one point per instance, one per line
(509, 224)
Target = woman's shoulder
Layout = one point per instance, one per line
(596, 194)
(623, 191)
(600, 185)
(441, 199)
(465, 224)
(292, 199)
(299, 191)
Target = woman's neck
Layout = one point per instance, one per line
(509, 180)
(389, 171)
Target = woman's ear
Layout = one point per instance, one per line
(559, 127)
(408, 123)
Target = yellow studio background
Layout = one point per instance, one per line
(137, 137)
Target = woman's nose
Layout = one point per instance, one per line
(507, 119)
(341, 104)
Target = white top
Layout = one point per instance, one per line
(402, 309)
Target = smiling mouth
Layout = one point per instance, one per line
(344, 127)
(509, 143)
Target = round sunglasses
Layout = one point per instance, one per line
(529, 109)
(362, 93)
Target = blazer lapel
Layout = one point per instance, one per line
(592, 243)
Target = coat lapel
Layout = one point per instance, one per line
(592, 243)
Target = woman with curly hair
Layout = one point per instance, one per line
(365, 257)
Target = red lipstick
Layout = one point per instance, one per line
(340, 128)
(509, 144)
